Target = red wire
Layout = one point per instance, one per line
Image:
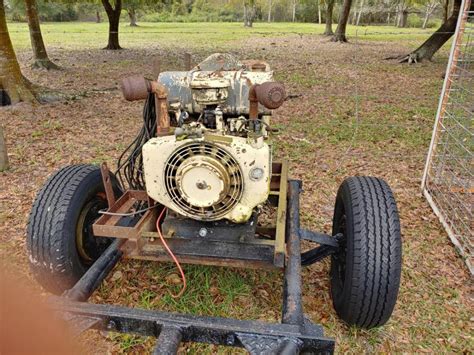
(171, 254)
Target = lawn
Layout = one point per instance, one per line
(353, 113)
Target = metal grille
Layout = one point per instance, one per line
(232, 196)
(448, 182)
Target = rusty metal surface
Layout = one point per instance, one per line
(247, 251)
(135, 88)
(110, 225)
(225, 68)
(187, 61)
(109, 190)
(270, 94)
(280, 252)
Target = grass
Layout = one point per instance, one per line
(353, 113)
(89, 34)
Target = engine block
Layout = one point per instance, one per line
(210, 158)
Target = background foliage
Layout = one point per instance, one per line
(373, 11)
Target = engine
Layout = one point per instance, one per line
(212, 159)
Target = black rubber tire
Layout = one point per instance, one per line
(365, 274)
(52, 227)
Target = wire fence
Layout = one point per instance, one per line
(448, 182)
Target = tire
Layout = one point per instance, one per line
(61, 246)
(365, 273)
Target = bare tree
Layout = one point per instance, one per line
(430, 8)
(41, 60)
(340, 34)
(113, 14)
(359, 14)
(293, 17)
(329, 12)
(14, 87)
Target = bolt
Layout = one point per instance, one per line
(203, 232)
(201, 185)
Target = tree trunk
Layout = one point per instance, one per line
(249, 12)
(3, 152)
(445, 10)
(294, 11)
(329, 10)
(402, 18)
(361, 7)
(114, 18)
(340, 34)
(39, 50)
(133, 17)
(13, 85)
(269, 16)
(97, 17)
(319, 12)
(437, 39)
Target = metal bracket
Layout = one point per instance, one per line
(329, 245)
(109, 191)
(319, 238)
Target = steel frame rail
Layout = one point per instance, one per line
(294, 334)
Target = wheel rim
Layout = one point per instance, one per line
(88, 246)
(340, 257)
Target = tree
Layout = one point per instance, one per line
(13, 85)
(113, 14)
(445, 10)
(340, 34)
(249, 12)
(41, 60)
(430, 8)
(402, 14)
(329, 10)
(269, 16)
(132, 6)
(293, 13)
(3, 151)
(132, 14)
(437, 39)
(359, 14)
(320, 21)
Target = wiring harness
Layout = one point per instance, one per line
(130, 163)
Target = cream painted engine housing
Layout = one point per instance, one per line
(210, 178)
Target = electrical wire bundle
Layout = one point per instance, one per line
(130, 164)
